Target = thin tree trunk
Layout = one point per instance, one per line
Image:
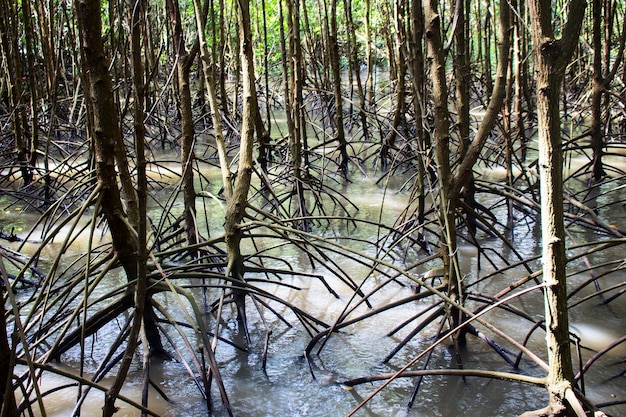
(9, 25)
(183, 67)
(46, 27)
(8, 404)
(369, 82)
(211, 91)
(297, 141)
(32, 85)
(447, 206)
(105, 132)
(517, 70)
(552, 57)
(356, 67)
(415, 54)
(494, 107)
(264, 136)
(221, 55)
(603, 75)
(237, 204)
(486, 44)
(141, 287)
(597, 92)
(462, 75)
(509, 152)
(333, 51)
(399, 119)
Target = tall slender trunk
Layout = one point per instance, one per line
(369, 82)
(32, 85)
(208, 73)
(462, 75)
(8, 404)
(462, 78)
(9, 24)
(399, 48)
(356, 66)
(415, 54)
(486, 45)
(46, 28)
(105, 131)
(509, 152)
(111, 395)
(597, 92)
(447, 206)
(552, 57)
(605, 66)
(220, 54)
(493, 108)
(333, 51)
(264, 136)
(183, 67)
(298, 139)
(237, 204)
(517, 71)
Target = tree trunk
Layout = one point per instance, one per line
(9, 24)
(355, 65)
(486, 44)
(34, 93)
(447, 205)
(183, 66)
(137, 20)
(552, 56)
(493, 109)
(333, 50)
(597, 91)
(603, 75)
(7, 396)
(415, 55)
(518, 72)
(399, 118)
(462, 76)
(106, 131)
(298, 138)
(236, 206)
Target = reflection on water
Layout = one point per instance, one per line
(290, 388)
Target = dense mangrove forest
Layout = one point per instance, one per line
(312, 208)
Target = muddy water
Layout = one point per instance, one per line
(290, 388)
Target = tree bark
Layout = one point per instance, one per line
(552, 56)
(298, 136)
(111, 395)
(399, 119)
(333, 50)
(493, 109)
(415, 55)
(183, 66)
(597, 91)
(237, 204)
(7, 396)
(9, 37)
(106, 133)
(441, 134)
(211, 91)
